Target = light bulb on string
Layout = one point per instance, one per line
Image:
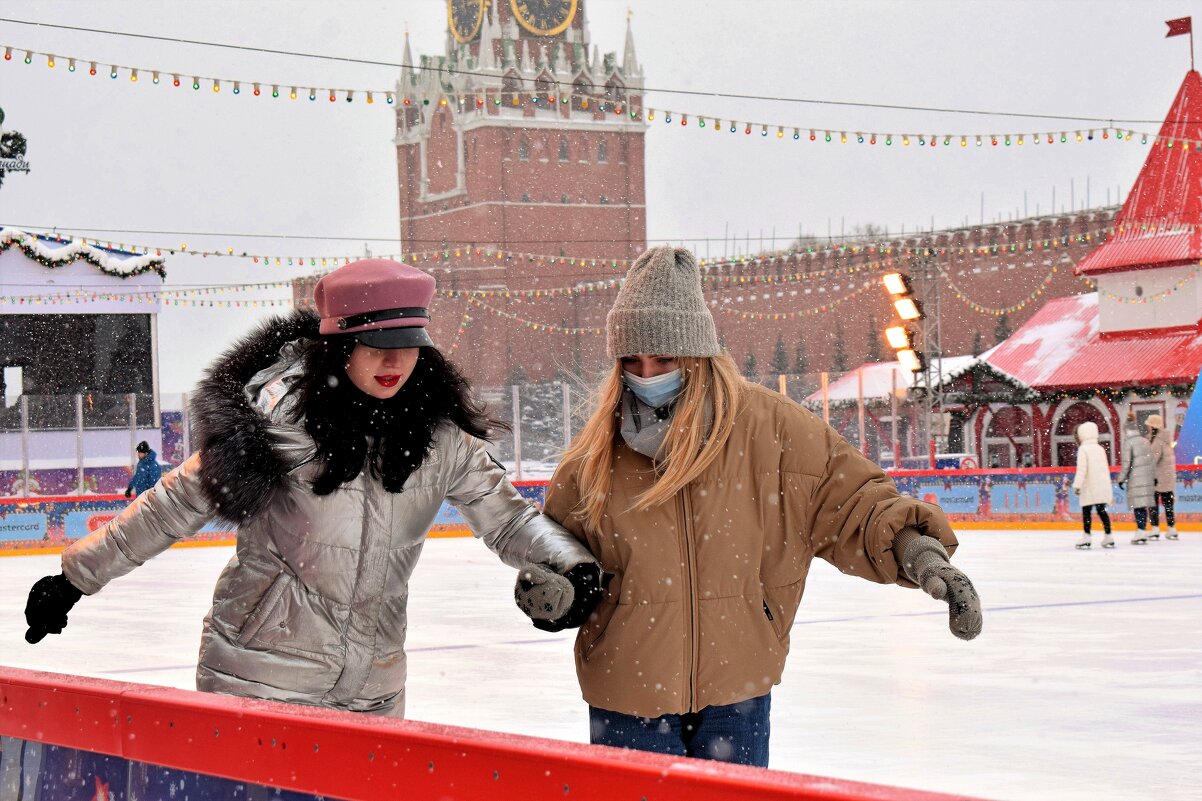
(154, 77)
(50, 62)
(237, 87)
(133, 75)
(70, 65)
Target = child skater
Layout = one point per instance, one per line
(1092, 482)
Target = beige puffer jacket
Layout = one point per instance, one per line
(706, 587)
(1164, 458)
(311, 609)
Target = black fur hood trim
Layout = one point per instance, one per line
(240, 470)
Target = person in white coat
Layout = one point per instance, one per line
(1092, 483)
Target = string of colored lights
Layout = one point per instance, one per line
(463, 324)
(744, 315)
(931, 139)
(1141, 299)
(998, 312)
(484, 74)
(497, 96)
(449, 254)
(532, 325)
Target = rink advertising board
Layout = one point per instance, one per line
(983, 497)
(70, 738)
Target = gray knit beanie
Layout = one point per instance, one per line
(660, 308)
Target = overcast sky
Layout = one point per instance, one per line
(106, 154)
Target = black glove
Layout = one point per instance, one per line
(128, 492)
(1122, 484)
(540, 592)
(49, 602)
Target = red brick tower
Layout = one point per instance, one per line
(517, 140)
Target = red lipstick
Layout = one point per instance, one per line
(387, 380)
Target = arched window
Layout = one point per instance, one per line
(523, 150)
(563, 149)
(614, 91)
(581, 89)
(564, 199)
(511, 86)
(1064, 441)
(603, 151)
(604, 200)
(1008, 437)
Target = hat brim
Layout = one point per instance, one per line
(394, 338)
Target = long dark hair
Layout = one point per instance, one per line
(392, 437)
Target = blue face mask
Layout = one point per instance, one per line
(657, 391)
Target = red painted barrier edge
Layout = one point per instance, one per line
(367, 758)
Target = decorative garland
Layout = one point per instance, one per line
(463, 324)
(1092, 284)
(800, 312)
(557, 329)
(977, 307)
(497, 96)
(930, 139)
(449, 254)
(78, 250)
(153, 298)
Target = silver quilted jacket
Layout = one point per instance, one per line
(311, 609)
(1138, 472)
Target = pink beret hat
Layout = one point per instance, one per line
(385, 304)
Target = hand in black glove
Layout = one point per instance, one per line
(128, 492)
(49, 602)
(555, 602)
(1122, 484)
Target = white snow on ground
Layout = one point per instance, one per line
(1086, 683)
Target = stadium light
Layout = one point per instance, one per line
(908, 309)
(897, 284)
(898, 337)
(910, 360)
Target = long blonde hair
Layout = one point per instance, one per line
(690, 446)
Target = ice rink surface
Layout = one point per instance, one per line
(1086, 683)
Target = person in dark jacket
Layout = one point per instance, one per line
(147, 473)
(331, 440)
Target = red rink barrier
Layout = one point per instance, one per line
(364, 758)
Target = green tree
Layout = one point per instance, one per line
(839, 358)
(801, 360)
(1001, 331)
(780, 358)
(874, 345)
(978, 343)
(751, 370)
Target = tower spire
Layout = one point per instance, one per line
(630, 65)
(407, 59)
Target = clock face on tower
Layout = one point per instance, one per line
(464, 18)
(544, 17)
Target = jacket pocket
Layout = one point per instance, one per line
(264, 609)
(593, 632)
(780, 607)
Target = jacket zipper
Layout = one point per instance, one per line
(690, 588)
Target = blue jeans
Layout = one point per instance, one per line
(732, 733)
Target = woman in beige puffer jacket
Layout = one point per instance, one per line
(707, 498)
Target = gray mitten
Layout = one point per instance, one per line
(542, 593)
(925, 562)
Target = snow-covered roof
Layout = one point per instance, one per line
(61, 251)
(1061, 348)
(879, 382)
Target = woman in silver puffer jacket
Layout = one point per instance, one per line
(332, 452)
